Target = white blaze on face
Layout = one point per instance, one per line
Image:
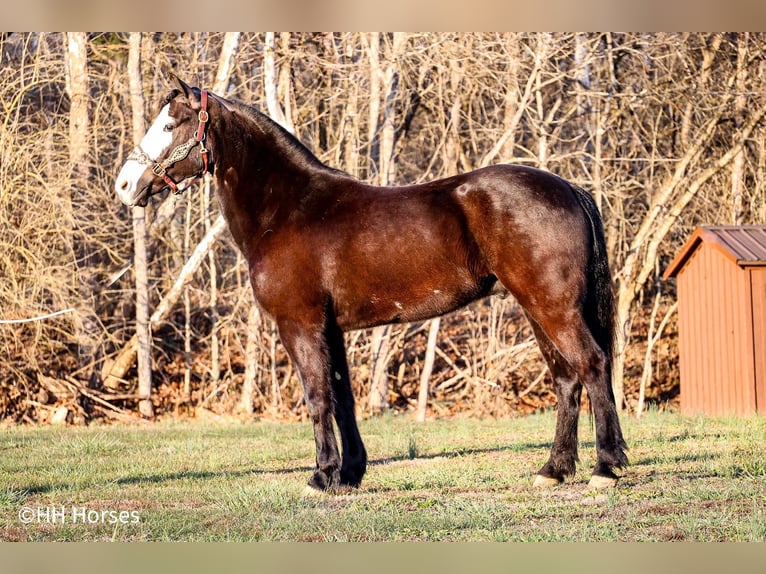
(155, 142)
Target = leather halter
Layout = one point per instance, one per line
(181, 151)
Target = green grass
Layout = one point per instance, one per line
(461, 479)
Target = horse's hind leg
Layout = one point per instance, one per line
(567, 331)
(563, 457)
(578, 348)
(354, 461)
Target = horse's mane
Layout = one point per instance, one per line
(288, 142)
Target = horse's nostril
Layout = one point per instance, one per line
(124, 185)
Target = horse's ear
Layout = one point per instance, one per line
(182, 86)
(195, 80)
(185, 89)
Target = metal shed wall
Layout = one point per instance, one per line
(758, 292)
(716, 335)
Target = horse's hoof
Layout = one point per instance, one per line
(311, 492)
(600, 482)
(545, 482)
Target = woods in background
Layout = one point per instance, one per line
(667, 131)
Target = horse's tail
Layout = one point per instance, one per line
(599, 301)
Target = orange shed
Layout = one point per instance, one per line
(721, 285)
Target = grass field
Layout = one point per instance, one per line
(460, 479)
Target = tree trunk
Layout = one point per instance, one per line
(543, 43)
(77, 87)
(452, 154)
(143, 331)
(215, 360)
(351, 134)
(251, 360)
(271, 84)
(226, 63)
(229, 48)
(452, 146)
(388, 129)
(285, 85)
(428, 366)
(188, 359)
(381, 336)
(515, 104)
(740, 105)
(373, 55)
(380, 342)
(511, 106)
(589, 113)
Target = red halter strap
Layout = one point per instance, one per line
(199, 135)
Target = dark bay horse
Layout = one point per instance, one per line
(328, 253)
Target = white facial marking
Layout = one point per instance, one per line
(155, 142)
(157, 139)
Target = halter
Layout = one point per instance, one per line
(180, 152)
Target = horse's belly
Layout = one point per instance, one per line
(407, 301)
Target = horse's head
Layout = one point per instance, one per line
(172, 153)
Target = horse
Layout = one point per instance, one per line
(328, 253)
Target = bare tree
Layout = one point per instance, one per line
(143, 330)
(228, 50)
(77, 86)
(271, 84)
(428, 365)
(388, 78)
(249, 384)
(740, 105)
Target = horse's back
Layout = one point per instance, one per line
(512, 188)
(406, 253)
(411, 252)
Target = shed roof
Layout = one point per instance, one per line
(744, 245)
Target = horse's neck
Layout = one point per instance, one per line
(259, 177)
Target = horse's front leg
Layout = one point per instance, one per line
(307, 346)
(354, 454)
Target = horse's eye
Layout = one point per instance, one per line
(169, 127)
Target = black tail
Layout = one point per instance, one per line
(600, 315)
(599, 302)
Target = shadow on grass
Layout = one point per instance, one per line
(663, 467)
(677, 459)
(239, 473)
(462, 452)
(212, 474)
(19, 495)
(207, 474)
